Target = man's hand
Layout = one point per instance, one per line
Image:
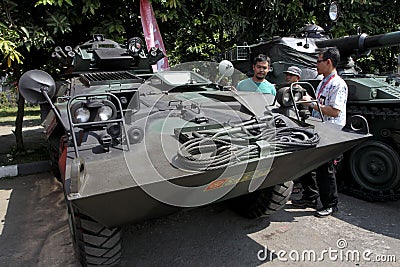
(232, 88)
(326, 110)
(307, 97)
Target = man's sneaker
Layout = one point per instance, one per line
(324, 212)
(304, 203)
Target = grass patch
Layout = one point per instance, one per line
(9, 114)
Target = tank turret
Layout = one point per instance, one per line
(302, 51)
(101, 54)
(374, 167)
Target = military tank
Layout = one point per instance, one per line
(370, 171)
(129, 144)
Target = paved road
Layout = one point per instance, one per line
(33, 228)
(34, 232)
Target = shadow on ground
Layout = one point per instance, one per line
(34, 142)
(208, 236)
(26, 123)
(34, 230)
(379, 217)
(216, 236)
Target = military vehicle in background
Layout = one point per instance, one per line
(372, 170)
(129, 144)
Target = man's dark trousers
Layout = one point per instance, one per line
(323, 185)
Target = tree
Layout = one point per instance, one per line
(197, 30)
(192, 29)
(19, 34)
(27, 38)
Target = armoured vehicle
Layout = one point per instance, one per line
(129, 144)
(371, 170)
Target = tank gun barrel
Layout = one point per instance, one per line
(60, 51)
(59, 57)
(358, 44)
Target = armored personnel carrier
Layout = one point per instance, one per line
(129, 144)
(371, 170)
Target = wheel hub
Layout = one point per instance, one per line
(374, 166)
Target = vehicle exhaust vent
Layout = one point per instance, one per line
(104, 78)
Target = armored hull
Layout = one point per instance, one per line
(147, 180)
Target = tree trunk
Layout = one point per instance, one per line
(18, 123)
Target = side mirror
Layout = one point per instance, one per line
(333, 11)
(226, 68)
(37, 86)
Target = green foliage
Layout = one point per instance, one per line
(192, 30)
(371, 17)
(8, 97)
(112, 27)
(8, 49)
(8, 113)
(90, 6)
(205, 27)
(9, 45)
(7, 100)
(59, 23)
(53, 2)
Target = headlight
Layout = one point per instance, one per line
(135, 46)
(105, 113)
(374, 93)
(298, 96)
(283, 97)
(93, 110)
(81, 115)
(286, 98)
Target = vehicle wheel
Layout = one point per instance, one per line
(375, 166)
(94, 243)
(54, 163)
(263, 202)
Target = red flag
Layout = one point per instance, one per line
(151, 32)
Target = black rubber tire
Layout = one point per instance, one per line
(95, 244)
(263, 202)
(375, 166)
(54, 156)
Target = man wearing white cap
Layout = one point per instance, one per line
(293, 74)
